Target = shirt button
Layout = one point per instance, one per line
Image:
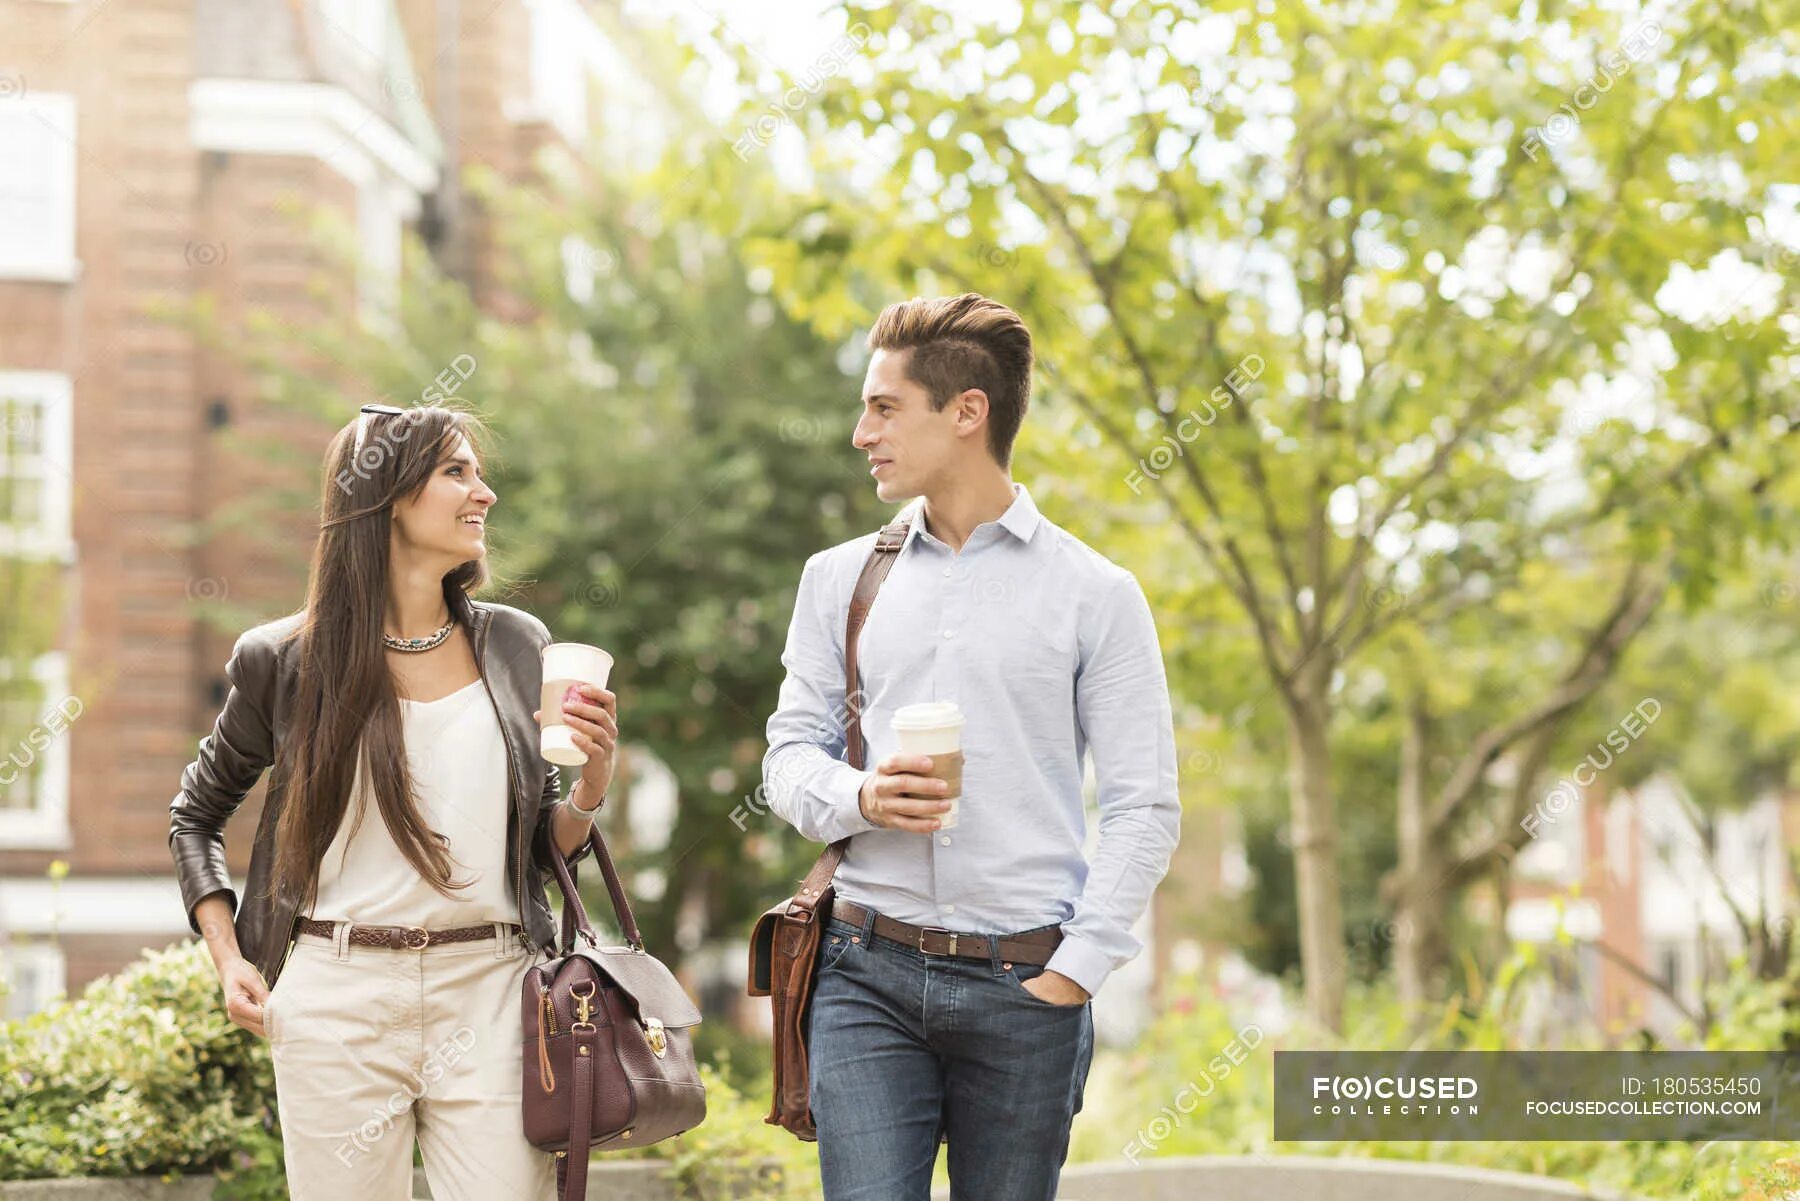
(945, 840)
(949, 633)
(946, 573)
(949, 909)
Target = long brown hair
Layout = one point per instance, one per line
(345, 702)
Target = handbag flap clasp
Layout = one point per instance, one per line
(651, 986)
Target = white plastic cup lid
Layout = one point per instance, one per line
(928, 715)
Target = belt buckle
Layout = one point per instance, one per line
(924, 930)
(424, 938)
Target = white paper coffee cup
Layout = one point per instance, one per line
(935, 728)
(566, 664)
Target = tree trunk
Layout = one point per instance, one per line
(1315, 837)
(1421, 948)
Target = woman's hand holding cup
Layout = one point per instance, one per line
(592, 715)
(581, 727)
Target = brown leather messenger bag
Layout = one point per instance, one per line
(784, 947)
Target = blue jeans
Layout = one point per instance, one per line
(907, 1048)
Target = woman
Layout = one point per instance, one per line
(405, 840)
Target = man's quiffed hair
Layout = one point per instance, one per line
(962, 342)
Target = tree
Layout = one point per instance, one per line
(1346, 293)
(670, 448)
(671, 492)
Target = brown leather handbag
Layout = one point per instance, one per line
(609, 1061)
(784, 946)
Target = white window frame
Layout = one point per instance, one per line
(53, 392)
(51, 974)
(43, 248)
(322, 121)
(46, 827)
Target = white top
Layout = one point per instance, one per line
(458, 764)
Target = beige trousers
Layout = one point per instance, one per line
(374, 1048)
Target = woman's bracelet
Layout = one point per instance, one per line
(587, 814)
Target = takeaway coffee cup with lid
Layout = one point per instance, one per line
(935, 728)
(567, 666)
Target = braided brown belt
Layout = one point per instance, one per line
(404, 938)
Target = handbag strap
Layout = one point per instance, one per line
(574, 912)
(572, 1165)
(882, 556)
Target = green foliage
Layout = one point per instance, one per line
(668, 451)
(734, 1153)
(663, 505)
(142, 1074)
(1724, 679)
(1131, 1093)
(1487, 432)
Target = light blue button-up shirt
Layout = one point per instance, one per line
(1051, 652)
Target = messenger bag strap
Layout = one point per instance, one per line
(882, 557)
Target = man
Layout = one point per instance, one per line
(1050, 651)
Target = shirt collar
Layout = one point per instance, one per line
(1021, 518)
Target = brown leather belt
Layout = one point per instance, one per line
(404, 938)
(1034, 947)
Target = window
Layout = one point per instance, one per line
(37, 187)
(378, 234)
(35, 462)
(32, 975)
(564, 42)
(36, 713)
(360, 27)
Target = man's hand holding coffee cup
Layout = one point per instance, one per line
(901, 796)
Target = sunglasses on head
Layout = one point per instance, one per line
(362, 425)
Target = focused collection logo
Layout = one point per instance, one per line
(1398, 1095)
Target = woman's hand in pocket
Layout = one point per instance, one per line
(245, 995)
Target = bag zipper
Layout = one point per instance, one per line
(549, 1006)
(546, 1027)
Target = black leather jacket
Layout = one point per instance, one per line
(255, 718)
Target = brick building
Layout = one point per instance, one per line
(1649, 891)
(147, 149)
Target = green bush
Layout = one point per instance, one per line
(734, 1153)
(141, 1075)
(1128, 1111)
(145, 1075)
